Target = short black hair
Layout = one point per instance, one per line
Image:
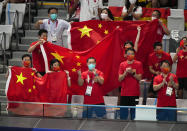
(110, 15)
(165, 61)
(26, 55)
(159, 13)
(54, 61)
(129, 42)
(52, 8)
(91, 58)
(130, 49)
(157, 44)
(40, 32)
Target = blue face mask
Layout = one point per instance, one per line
(91, 66)
(53, 16)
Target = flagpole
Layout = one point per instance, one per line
(45, 58)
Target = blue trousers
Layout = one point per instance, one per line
(166, 115)
(99, 111)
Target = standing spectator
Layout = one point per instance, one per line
(106, 15)
(162, 29)
(154, 64)
(181, 59)
(165, 84)
(76, 15)
(131, 10)
(36, 51)
(92, 79)
(54, 26)
(89, 10)
(26, 63)
(130, 73)
(55, 67)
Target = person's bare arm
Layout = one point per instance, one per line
(153, 71)
(80, 80)
(99, 79)
(38, 23)
(157, 87)
(166, 31)
(137, 39)
(33, 47)
(175, 58)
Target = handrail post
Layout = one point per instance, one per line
(4, 52)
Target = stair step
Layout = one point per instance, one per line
(2, 77)
(31, 33)
(21, 47)
(3, 106)
(4, 113)
(2, 84)
(46, 17)
(44, 12)
(2, 92)
(15, 62)
(19, 54)
(26, 26)
(28, 40)
(3, 98)
(47, 5)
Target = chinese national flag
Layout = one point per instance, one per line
(23, 86)
(108, 56)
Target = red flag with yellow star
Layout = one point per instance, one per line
(20, 85)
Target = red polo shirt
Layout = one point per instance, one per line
(130, 85)
(154, 60)
(96, 95)
(182, 64)
(37, 58)
(163, 99)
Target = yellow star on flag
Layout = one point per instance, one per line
(85, 31)
(32, 74)
(58, 57)
(34, 87)
(98, 42)
(106, 32)
(77, 56)
(74, 70)
(78, 64)
(29, 90)
(100, 26)
(20, 78)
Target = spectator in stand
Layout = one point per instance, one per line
(36, 51)
(130, 73)
(165, 84)
(181, 59)
(55, 67)
(54, 26)
(162, 29)
(12, 1)
(131, 10)
(160, 3)
(92, 79)
(89, 9)
(26, 63)
(154, 61)
(76, 15)
(106, 15)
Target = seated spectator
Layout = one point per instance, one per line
(106, 15)
(160, 3)
(54, 26)
(131, 10)
(92, 79)
(55, 67)
(165, 84)
(162, 29)
(130, 73)
(89, 9)
(76, 15)
(26, 63)
(36, 51)
(154, 64)
(181, 59)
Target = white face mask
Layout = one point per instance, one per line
(153, 18)
(132, 1)
(104, 16)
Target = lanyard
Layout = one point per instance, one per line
(49, 27)
(88, 80)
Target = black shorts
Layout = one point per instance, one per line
(182, 83)
(129, 100)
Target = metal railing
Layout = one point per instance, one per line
(3, 48)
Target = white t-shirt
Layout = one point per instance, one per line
(89, 9)
(138, 11)
(55, 29)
